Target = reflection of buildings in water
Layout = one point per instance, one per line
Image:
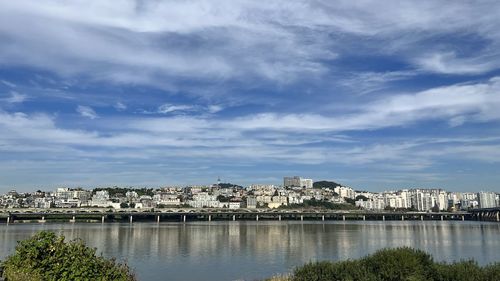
(285, 243)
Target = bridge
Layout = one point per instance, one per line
(486, 214)
(186, 215)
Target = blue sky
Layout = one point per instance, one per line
(374, 94)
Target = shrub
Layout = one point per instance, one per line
(400, 264)
(339, 271)
(459, 271)
(492, 272)
(47, 257)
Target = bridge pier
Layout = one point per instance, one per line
(257, 218)
(402, 217)
(323, 217)
(279, 217)
(343, 217)
(498, 216)
(43, 219)
(209, 217)
(184, 218)
(234, 217)
(301, 217)
(442, 218)
(158, 219)
(131, 219)
(73, 219)
(463, 217)
(102, 219)
(383, 218)
(364, 217)
(421, 217)
(8, 219)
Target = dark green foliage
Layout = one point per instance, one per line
(47, 257)
(339, 271)
(222, 198)
(325, 184)
(350, 201)
(460, 271)
(361, 197)
(400, 264)
(492, 272)
(229, 185)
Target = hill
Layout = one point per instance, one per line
(325, 184)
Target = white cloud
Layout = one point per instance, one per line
(215, 108)
(15, 97)
(169, 108)
(281, 41)
(9, 84)
(87, 111)
(448, 63)
(120, 106)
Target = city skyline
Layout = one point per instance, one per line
(376, 96)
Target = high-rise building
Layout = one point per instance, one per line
(487, 199)
(297, 181)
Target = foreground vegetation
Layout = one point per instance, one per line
(401, 264)
(47, 257)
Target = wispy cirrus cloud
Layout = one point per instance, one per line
(120, 106)
(15, 97)
(86, 111)
(276, 41)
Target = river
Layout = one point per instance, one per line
(250, 250)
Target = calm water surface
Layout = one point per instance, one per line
(252, 250)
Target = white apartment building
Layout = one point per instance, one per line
(101, 199)
(487, 199)
(372, 204)
(345, 192)
(424, 200)
(203, 199)
(167, 199)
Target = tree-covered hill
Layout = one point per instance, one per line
(325, 184)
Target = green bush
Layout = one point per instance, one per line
(400, 264)
(339, 271)
(47, 257)
(460, 271)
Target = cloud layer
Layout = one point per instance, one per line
(158, 92)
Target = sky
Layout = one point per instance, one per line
(377, 95)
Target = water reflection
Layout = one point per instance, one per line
(252, 250)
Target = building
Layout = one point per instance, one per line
(297, 181)
(424, 200)
(251, 202)
(487, 199)
(345, 192)
(101, 199)
(371, 204)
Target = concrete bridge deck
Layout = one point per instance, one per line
(184, 215)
